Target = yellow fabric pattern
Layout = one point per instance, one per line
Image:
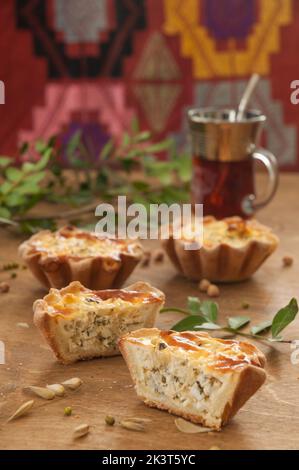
(183, 18)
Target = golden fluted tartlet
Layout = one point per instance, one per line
(232, 250)
(70, 254)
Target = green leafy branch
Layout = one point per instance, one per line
(203, 315)
(131, 167)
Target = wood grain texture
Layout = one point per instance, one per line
(270, 420)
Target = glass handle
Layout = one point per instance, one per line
(250, 204)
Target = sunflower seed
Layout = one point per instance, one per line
(58, 389)
(73, 383)
(22, 325)
(22, 410)
(41, 392)
(139, 420)
(81, 431)
(131, 425)
(189, 428)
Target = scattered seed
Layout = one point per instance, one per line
(109, 420)
(68, 411)
(9, 266)
(22, 410)
(73, 383)
(214, 448)
(58, 389)
(42, 392)
(132, 426)
(81, 431)
(146, 259)
(204, 285)
(287, 261)
(22, 325)
(189, 428)
(139, 420)
(4, 287)
(13, 275)
(158, 256)
(213, 291)
(245, 305)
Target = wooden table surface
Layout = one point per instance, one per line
(270, 420)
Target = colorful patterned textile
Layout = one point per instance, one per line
(93, 64)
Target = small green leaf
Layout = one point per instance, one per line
(5, 213)
(6, 187)
(28, 167)
(126, 140)
(5, 161)
(159, 146)
(31, 167)
(265, 325)
(14, 199)
(107, 150)
(210, 310)
(143, 136)
(160, 170)
(140, 185)
(193, 305)
(238, 322)
(135, 125)
(284, 317)
(13, 174)
(40, 146)
(189, 323)
(73, 143)
(183, 165)
(28, 188)
(35, 178)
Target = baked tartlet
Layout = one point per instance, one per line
(70, 254)
(232, 250)
(79, 323)
(190, 374)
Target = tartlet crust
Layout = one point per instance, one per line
(47, 322)
(97, 271)
(247, 380)
(223, 262)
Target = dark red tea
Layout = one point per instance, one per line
(222, 187)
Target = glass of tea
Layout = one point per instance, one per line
(224, 152)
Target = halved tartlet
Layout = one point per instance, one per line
(232, 250)
(79, 323)
(190, 374)
(70, 254)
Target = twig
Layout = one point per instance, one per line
(227, 328)
(69, 214)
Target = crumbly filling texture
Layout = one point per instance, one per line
(236, 233)
(189, 372)
(178, 382)
(78, 245)
(96, 331)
